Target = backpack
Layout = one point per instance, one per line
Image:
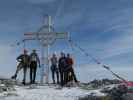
(33, 57)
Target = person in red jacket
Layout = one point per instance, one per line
(69, 70)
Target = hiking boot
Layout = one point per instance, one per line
(31, 82)
(77, 83)
(58, 82)
(23, 82)
(14, 77)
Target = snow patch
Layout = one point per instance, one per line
(49, 93)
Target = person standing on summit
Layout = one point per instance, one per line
(62, 65)
(23, 60)
(54, 69)
(34, 62)
(69, 69)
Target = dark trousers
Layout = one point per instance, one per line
(54, 71)
(33, 69)
(73, 75)
(65, 77)
(20, 67)
(69, 77)
(24, 77)
(62, 74)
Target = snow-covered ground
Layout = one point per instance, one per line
(46, 93)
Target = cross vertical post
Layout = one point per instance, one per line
(45, 50)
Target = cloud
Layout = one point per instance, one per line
(41, 1)
(7, 60)
(119, 45)
(68, 21)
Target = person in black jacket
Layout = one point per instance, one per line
(23, 60)
(62, 65)
(34, 61)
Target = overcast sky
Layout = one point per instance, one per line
(102, 27)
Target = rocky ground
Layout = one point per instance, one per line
(95, 90)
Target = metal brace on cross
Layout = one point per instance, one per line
(46, 38)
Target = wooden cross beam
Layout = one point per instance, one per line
(47, 38)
